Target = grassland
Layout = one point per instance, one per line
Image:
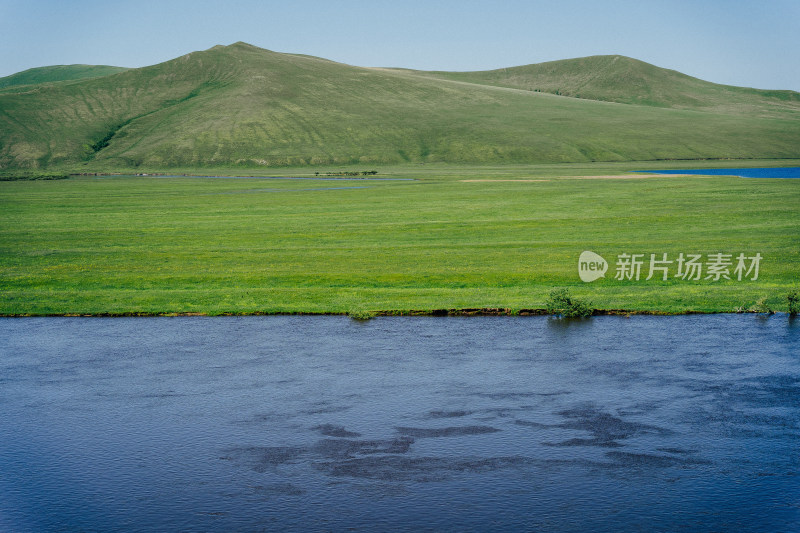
(451, 238)
(624, 80)
(54, 74)
(243, 107)
(490, 208)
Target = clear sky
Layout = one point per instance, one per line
(753, 43)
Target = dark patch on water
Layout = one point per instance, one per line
(646, 460)
(419, 469)
(768, 391)
(329, 430)
(324, 409)
(748, 408)
(460, 431)
(677, 451)
(448, 414)
(341, 449)
(263, 458)
(282, 489)
(537, 425)
(263, 417)
(585, 442)
(606, 429)
(159, 395)
(605, 426)
(505, 395)
(492, 413)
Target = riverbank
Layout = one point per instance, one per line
(406, 313)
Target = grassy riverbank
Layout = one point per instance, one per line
(453, 238)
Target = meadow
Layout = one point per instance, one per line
(435, 237)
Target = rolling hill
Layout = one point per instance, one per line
(629, 81)
(57, 73)
(240, 105)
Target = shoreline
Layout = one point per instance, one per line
(465, 312)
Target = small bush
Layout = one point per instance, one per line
(560, 303)
(360, 314)
(761, 307)
(794, 303)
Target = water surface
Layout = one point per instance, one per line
(410, 424)
(781, 172)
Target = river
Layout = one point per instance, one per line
(400, 424)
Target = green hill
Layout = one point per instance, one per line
(57, 73)
(629, 81)
(239, 105)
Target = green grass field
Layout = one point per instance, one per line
(116, 245)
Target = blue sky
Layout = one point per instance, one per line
(738, 42)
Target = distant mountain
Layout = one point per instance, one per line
(239, 105)
(57, 73)
(629, 81)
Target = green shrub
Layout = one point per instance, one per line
(761, 307)
(360, 314)
(560, 303)
(794, 303)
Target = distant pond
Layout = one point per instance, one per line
(400, 424)
(784, 172)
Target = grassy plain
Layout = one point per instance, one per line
(451, 238)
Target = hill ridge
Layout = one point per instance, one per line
(57, 73)
(637, 82)
(241, 105)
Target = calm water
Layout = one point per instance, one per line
(787, 172)
(412, 424)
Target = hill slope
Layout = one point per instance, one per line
(246, 106)
(57, 73)
(629, 81)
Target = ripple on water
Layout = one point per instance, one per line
(412, 423)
